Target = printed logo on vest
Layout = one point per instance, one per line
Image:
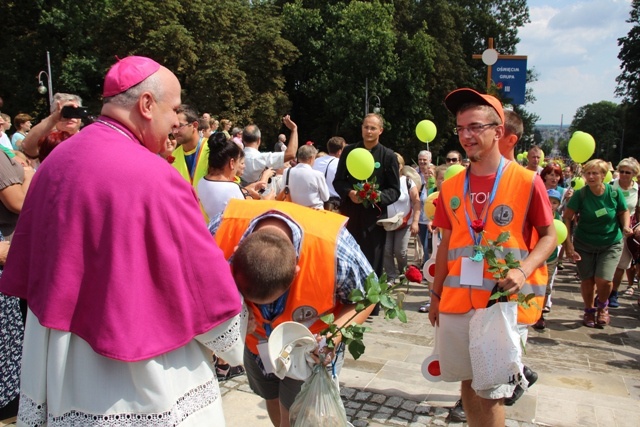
(502, 215)
(304, 314)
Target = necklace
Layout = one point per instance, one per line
(117, 129)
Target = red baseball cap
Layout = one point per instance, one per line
(459, 97)
(127, 73)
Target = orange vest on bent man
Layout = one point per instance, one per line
(312, 293)
(508, 212)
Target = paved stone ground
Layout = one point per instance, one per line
(587, 377)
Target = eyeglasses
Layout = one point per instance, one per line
(474, 129)
(452, 160)
(181, 126)
(626, 172)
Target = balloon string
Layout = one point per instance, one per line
(379, 210)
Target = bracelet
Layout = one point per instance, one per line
(434, 293)
(522, 271)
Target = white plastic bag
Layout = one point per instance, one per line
(318, 403)
(494, 346)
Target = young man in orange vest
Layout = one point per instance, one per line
(504, 197)
(287, 268)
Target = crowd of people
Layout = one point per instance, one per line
(167, 256)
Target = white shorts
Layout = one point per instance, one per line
(455, 361)
(625, 257)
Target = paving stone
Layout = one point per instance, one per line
(409, 405)
(378, 398)
(360, 423)
(370, 407)
(386, 410)
(422, 409)
(406, 415)
(350, 411)
(395, 421)
(363, 414)
(347, 392)
(394, 401)
(362, 395)
(354, 405)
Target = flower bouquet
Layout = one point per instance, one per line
(368, 192)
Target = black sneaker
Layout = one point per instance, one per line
(457, 414)
(531, 377)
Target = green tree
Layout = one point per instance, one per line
(603, 120)
(629, 81)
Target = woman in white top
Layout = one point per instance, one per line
(219, 186)
(395, 248)
(627, 169)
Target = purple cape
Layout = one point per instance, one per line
(111, 246)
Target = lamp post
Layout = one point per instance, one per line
(41, 88)
(376, 108)
(367, 99)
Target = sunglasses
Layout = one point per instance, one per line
(626, 172)
(452, 159)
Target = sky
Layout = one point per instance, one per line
(572, 45)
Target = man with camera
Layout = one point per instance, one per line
(255, 161)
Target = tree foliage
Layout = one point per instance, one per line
(253, 61)
(603, 120)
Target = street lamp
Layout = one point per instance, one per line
(376, 108)
(41, 88)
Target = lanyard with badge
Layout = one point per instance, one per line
(472, 268)
(196, 157)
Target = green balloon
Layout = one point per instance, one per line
(561, 231)
(360, 164)
(453, 170)
(426, 131)
(608, 177)
(519, 157)
(581, 146)
(577, 183)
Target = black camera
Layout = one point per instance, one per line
(71, 112)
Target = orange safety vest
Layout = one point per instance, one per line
(312, 293)
(508, 212)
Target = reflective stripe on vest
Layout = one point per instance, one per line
(312, 293)
(507, 213)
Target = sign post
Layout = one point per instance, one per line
(508, 72)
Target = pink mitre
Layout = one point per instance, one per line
(127, 73)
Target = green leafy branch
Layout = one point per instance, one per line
(375, 291)
(500, 267)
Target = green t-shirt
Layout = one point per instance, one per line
(598, 224)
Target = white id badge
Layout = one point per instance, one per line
(263, 350)
(471, 272)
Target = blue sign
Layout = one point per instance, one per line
(510, 77)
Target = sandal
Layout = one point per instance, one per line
(424, 308)
(603, 316)
(630, 291)
(226, 372)
(589, 318)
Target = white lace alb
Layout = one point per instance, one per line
(35, 415)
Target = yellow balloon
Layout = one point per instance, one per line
(429, 205)
(581, 146)
(360, 163)
(452, 171)
(608, 177)
(561, 231)
(577, 183)
(426, 131)
(519, 157)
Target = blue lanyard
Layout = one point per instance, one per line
(195, 159)
(270, 311)
(485, 209)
